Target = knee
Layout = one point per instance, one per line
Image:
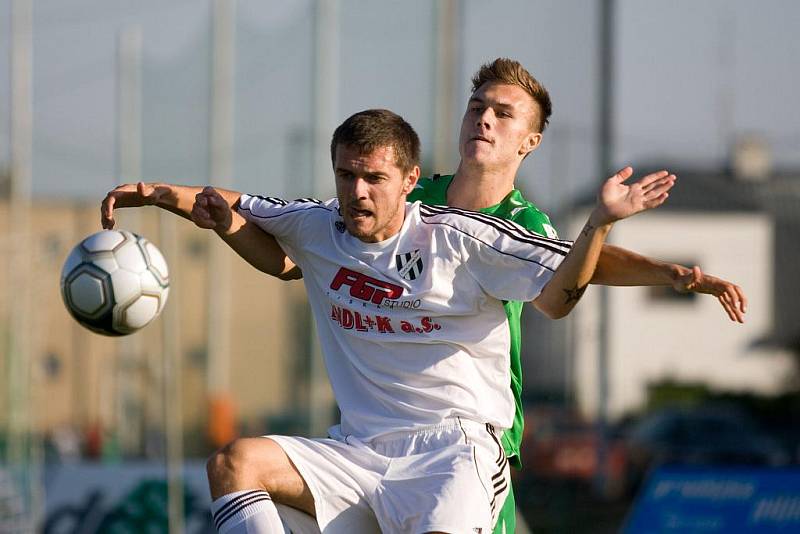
(245, 463)
(229, 463)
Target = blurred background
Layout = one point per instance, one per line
(110, 435)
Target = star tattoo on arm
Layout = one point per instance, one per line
(574, 294)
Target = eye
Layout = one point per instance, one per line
(504, 114)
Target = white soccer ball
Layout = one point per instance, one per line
(114, 282)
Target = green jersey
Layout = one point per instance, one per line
(515, 208)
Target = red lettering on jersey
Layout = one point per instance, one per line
(364, 322)
(360, 326)
(384, 325)
(369, 321)
(365, 287)
(347, 319)
(427, 324)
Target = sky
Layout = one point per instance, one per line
(690, 78)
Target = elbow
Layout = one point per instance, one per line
(558, 314)
(553, 311)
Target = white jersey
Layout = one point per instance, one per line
(412, 328)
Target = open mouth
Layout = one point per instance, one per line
(356, 213)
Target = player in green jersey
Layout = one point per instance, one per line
(506, 116)
(515, 208)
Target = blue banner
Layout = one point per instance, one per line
(700, 500)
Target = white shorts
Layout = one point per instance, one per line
(452, 477)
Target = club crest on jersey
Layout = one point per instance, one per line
(409, 265)
(339, 226)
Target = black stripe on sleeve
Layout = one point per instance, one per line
(515, 232)
(300, 206)
(514, 229)
(272, 200)
(308, 199)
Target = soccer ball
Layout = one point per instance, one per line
(114, 282)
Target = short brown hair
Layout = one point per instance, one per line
(372, 129)
(511, 72)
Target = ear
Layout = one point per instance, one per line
(412, 177)
(530, 143)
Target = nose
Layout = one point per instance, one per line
(485, 118)
(359, 188)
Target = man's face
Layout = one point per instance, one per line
(497, 129)
(372, 191)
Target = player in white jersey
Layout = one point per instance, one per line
(419, 332)
(407, 300)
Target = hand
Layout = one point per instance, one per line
(211, 211)
(130, 196)
(617, 200)
(730, 296)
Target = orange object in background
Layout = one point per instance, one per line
(93, 441)
(221, 420)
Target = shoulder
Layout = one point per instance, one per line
(532, 218)
(484, 229)
(265, 207)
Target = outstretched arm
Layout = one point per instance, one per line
(621, 267)
(251, 243)
(178, 199)
(616, 201)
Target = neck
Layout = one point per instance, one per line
(475, 189)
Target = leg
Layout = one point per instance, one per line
(276, 467)
(258, 463)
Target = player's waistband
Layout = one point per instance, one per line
(459, 424)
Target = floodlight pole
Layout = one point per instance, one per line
(326, 105)
(23, 444)
(446, 67)
(218, 330)
(172, 382)
(131, 390)
(606, 154)
(222, 124)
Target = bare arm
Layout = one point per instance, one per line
(616, 201)
(178, 199)
(621, 267)
(251, 243)
(212, 211)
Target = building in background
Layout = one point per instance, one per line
(742, 225)
(107, 393)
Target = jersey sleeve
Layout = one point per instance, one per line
(290, 222)
(512, 263)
